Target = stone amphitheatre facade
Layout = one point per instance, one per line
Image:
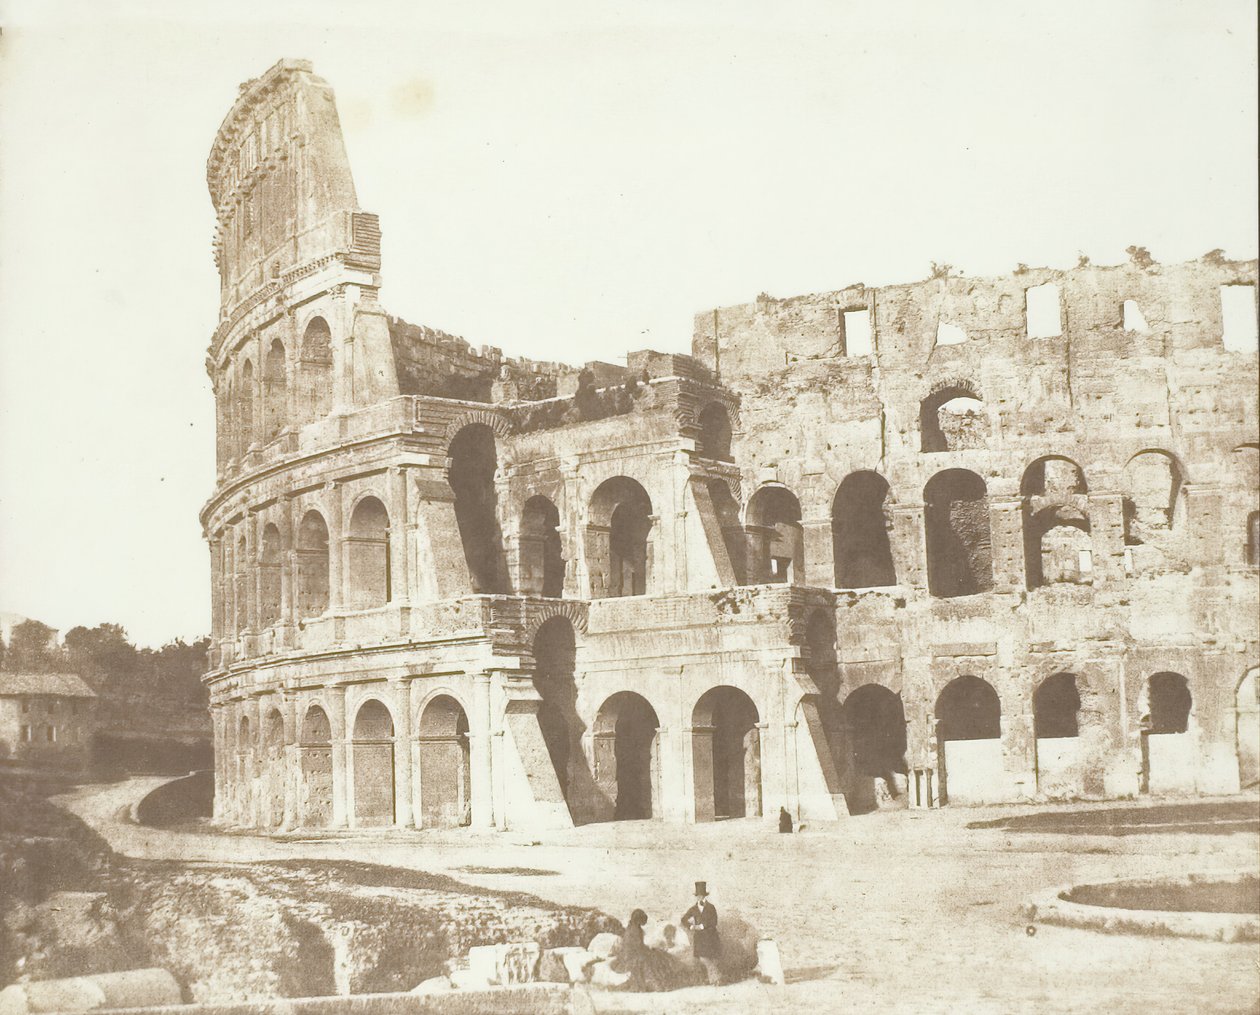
(953, 541)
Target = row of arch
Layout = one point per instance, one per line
(258, 401)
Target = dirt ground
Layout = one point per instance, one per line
(897, 911)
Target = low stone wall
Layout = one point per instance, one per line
(537, 998)
(177, 801)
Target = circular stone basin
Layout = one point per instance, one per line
(1219, 907)
(1238, 896)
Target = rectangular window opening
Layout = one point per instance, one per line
(949, 334)
(1085, 561)
(1041, 311)
(1134, 319)
(857, 332)
(1238, 317)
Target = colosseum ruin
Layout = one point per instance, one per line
(954, 541)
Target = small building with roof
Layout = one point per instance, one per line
(47, 720)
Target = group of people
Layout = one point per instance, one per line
(653, 969)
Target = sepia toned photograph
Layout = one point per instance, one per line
(659, 508)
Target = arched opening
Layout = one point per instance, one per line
(269, 579)
(555, 659)
(1152, 486)
(274, 768)
(956, 522)
(618, 539)
(244, 576)
(876, 723)
(373, 747)
(952, 419)
(1057, 547)
(315, 371)
(714, 440)
(245, 772)
(860, 522)
(245, 395)
(312, 566)
(445, 765)
(541, 557)
(473, 462)
(1247, 729)
(1060, 755)
(625, 756)
(726, 755)
(275, 390)
(776, 544)
(969, 732)
(368, 557)
(315, 803)
(1168, 754)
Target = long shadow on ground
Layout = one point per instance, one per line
(1198, 818)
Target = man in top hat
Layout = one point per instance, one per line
(701, 920)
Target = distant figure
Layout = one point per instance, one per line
(649, 968)
(701, 919)
(785, 820)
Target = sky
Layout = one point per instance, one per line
(564, 180)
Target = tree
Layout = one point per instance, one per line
(102, 656)
(32, 648)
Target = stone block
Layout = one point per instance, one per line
(433, 985)
(135, 988)
(564, 965)
(505, 964)
(605, 945)
(603, 975)
(468, 979)
(739, 947)
(769, 966)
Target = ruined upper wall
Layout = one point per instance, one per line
(281, 185)
(1181, 304)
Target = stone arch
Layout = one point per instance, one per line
(1057, 547)
(496, 423)
(315, 768)
(445, 763)
(273, 768)
(245, 765)
(861, 520)
(1169, 759)
(626, 757)
(776, 542)
(1247, 728)
(372, 741)
(726, 754)
(1062, 756)
(952, 418)
(618, 539)
(968, 716)
(539, 614)
(541, 554)
(874, 723)
(555, 663)
(1056, 704)
(312, 565)
(714, 439)
(245, 395)
(315, 371)
(368, 556)
(269, 564)
(472, 459)
(956, 524)
(275, 390)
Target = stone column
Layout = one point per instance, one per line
(820, 567)
(337, 720)
(287, 572)
(292, 759)
(399, 542)
(1106, 535)
(479, 735)
(909, 546)
(404, 764)
(336, 548)
(252, 572)
(1006, 541)
(1203, 522)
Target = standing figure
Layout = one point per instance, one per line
(701, 919)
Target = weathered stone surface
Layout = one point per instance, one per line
(506, 964)
(604, 945)
(433, 985)
(603, 975)
(769, 966)
(906, 492)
